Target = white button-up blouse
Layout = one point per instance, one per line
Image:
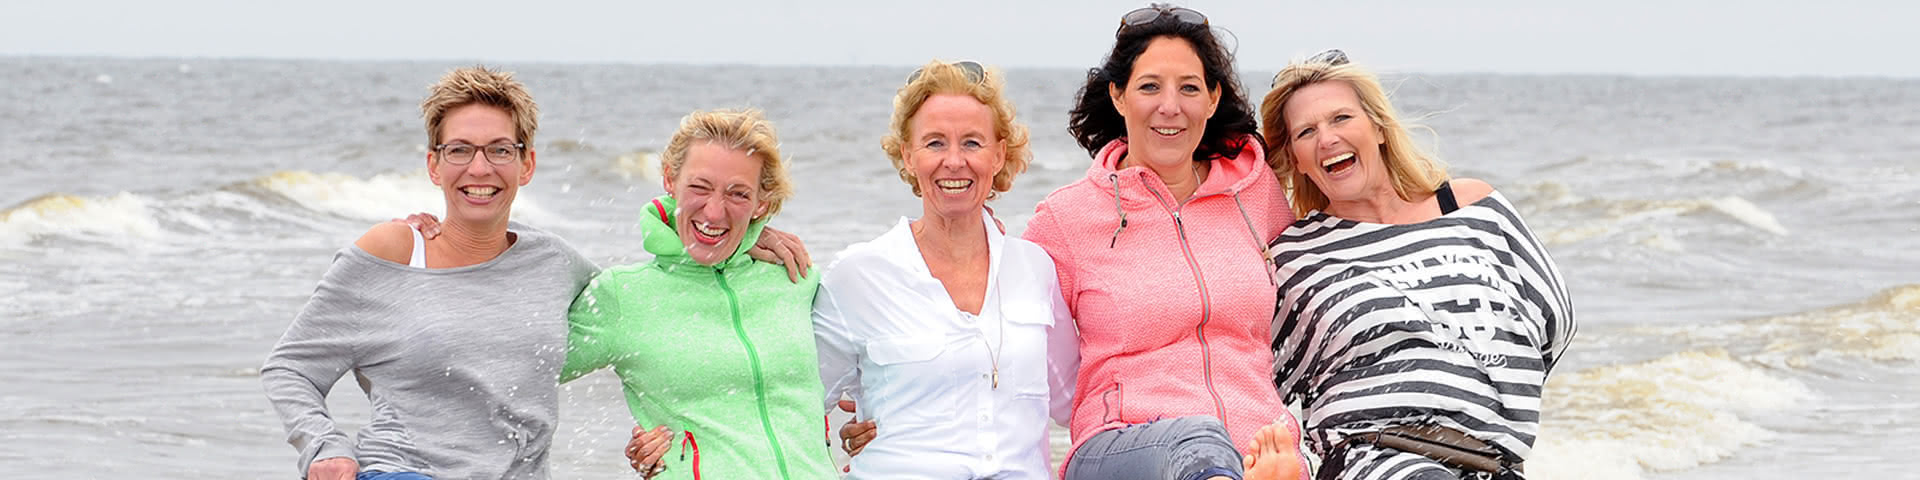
(890, 337)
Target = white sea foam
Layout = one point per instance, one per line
(1748, 213)
(124, 214)
(1675, 412)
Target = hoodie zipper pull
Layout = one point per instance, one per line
(1114, 179)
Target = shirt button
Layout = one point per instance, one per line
(983, 417)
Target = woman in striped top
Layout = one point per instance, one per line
(1418, 317)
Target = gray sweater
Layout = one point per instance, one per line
(460, 365)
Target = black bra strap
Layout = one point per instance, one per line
(1445, 195)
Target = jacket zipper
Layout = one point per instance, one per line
(759, 380)
(1206, 305)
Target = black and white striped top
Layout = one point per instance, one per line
(1454, 321)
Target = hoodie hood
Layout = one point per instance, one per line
(1225, 175)
(660, 239)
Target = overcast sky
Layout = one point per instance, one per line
(1641, 37)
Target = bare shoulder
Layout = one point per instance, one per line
(391, 241)
(1470, 190)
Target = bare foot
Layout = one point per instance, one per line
(1275, 454)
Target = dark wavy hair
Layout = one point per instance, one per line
(1094, 122)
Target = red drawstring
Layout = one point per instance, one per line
(828, 433)
(663, 212)
(684, 444)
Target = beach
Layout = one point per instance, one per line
(1740, 252)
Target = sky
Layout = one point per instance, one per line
(1632, 37)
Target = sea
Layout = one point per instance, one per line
(1743, 254)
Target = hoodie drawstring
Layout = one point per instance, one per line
(1115, 179)
(1272, 272)
(684, 444)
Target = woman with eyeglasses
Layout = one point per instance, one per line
(1418, 315)
(1160, 255)
(949, 335)
(456, 342)
(714, 350)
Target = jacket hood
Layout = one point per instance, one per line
(1226, 175)
(659, 238)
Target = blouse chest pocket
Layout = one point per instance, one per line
(910, 378)
(909, 359)
(1022, 355)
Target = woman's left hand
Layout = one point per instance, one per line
(782, 248)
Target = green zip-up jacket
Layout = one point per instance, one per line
(723, 353)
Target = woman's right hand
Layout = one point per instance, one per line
(647, 448)
(426, 223)
(336, 468)
(854, 436)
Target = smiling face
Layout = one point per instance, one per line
(479, 192)
(718, 191)
(1335, 143)
(954, 153)
(1166, 103)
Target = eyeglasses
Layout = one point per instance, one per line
(1153, 13)
(1333, 57)
(461, 154)
(974, 72)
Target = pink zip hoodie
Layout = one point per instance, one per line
(1174, 302)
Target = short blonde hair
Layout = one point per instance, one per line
(743, 130)
(939, 77)
(1414, 172)
(483, 86)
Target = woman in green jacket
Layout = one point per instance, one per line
(707, 342)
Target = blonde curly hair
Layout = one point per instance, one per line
(937, 78)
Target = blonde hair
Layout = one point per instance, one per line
(743, 130)
(482, 86)
(1413, 171)
(939, 77)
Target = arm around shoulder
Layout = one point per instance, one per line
(592, 316)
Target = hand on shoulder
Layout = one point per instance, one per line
(390, 241)
(1470, 190)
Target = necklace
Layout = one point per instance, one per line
(1000, 311)
(993, 352)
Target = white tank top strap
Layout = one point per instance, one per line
(419, 259)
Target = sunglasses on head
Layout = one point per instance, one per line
(974, 72)
(1332, 57)
(1153, 13)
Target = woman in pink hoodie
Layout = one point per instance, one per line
(1160, 254)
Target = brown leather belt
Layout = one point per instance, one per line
(1445, 445)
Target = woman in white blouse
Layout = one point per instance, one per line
(948, 334)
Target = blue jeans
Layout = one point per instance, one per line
(1185, 448)
(372, 475)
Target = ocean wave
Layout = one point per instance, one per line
(377, 198)
(643, 164)
(1671, 413)
(1882, 328)
(1646, 218)
(121, 215)
(287, 197)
